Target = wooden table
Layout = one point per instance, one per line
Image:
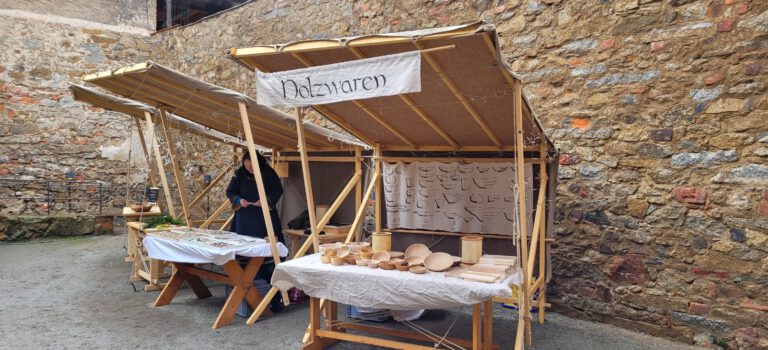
(241, 279)
(132, 216)
(320, 337)
(144, 267)
(296, 237)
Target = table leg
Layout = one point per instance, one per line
(488, 324)
(171, 288)
(295, 245)
(242, 282)
(314, 343)
(476, 326)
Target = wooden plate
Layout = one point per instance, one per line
(417, 249)
(438, 261)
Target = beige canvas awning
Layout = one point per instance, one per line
(137, 109)
(466, 102)
(214, 107)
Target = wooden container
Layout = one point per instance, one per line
(471, 249)
(382, 241)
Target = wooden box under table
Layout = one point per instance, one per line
(144, 267)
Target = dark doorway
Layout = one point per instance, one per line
(183, 12)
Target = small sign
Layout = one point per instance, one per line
(151, 195)
(372, 77)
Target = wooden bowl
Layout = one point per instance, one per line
(373, 263)
(418, 269)
(393, 255)
(417, 249)
(330, 252)
(361, 262)
(414, 261)
(402, 267)
(381, 256)
(366, 254)
(350, 259)
(386, 265)
(356, 247)
(337, 261)
(396, 261)
(438, 261)
(456, 260)
(343, 251)
(325, 246)
(141, 208)
(325, 259)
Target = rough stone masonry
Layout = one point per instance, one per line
(659, 108)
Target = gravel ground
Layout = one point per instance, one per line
(74, 294)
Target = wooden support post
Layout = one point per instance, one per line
(159, 161)
(307, 180)
(476, 327)
(264, 208)
(147, 157)
(488, 324)
(522, 210)
(177, 175)
(358, 170)
(543, 239)
(537, 222)
(377, 210)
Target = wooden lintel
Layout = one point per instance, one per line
(457, 93)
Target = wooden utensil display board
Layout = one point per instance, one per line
(471, 109)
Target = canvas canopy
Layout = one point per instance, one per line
(137, 110)
(466, 102)
(213, 106)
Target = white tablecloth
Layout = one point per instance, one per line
(184, 252)
(385, 289)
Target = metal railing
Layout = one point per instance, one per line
(58, 195)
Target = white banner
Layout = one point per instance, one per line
(466, 198)
(353, 80)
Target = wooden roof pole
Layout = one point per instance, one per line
(307, 181)
(177, 175)
(162, 97)
(223, 105)
(416, 109)
(456, 92)
(264, 210)
(159, 161)
(365, 108)
(522, 210)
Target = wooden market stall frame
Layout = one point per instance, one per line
(445, 118)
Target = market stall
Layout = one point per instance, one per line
(468, 117)
(235, 114)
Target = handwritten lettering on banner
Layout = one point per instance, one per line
(372, 77)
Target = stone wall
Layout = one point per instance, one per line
(659, 108)
(127, 13)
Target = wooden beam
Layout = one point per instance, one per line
(437, 148)
(377, 165)
(476, 326)
(358, 170)
(537, 221)
(443, 233)
(147, 157)
(361, 209)
(522, 210)
(543, 245)
(378, 118)
(317, 159)
(457, 93)
(392, 344)
(460, 159)
(227, 223)
(160, 166)
(177, 175)
(414, 107)
(265, 201)
(307, 181)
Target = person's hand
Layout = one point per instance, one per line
(258, 203)
(243, 203)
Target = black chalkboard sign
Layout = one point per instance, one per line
(151, 195)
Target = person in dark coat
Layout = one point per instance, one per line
(249, 219)
(244, 197)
